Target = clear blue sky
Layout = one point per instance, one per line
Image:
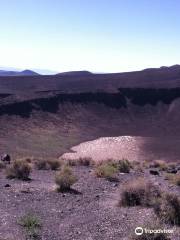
(96, 35)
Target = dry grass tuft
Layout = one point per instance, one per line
(65, 179)
(124, 166)
(168, 208)
(83, 161)
(48, 164)
(139, 192)
(42, 164)
(20, 169)
(54, 164)
(162, 165)
(173, 178)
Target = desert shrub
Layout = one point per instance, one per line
(162, 165)
(168, 208)
(139, 192)
(54, 164)
(124, 166)
(31, 223)
(65, 179)
(42, 164)
(19, 169)
(106, 170)
(173, 178)
(85, 161)
(82, 161)
(70, 162)
(47, 164)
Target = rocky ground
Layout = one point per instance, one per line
(88, 212)
(45, 116)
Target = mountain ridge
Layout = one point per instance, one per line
(25, 72)
(83, 81)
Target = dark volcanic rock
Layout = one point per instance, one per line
(154, 172)
(172, 170)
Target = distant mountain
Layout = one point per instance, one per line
(28, 72)
(84, 81)
(171, 68)
(18, 73)
(76, 73)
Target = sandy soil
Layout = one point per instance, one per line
(129, 147)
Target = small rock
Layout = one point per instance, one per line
(6, 158)
(114, 184)
(7, 185)
(154, 172)
(178, 168)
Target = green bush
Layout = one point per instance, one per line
(122, 165)
(65, 179)
(31, 223)
(19, 169)
(106, 170)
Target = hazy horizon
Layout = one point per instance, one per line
(98, 36)
(50, 72)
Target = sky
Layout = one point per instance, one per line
(94, 35)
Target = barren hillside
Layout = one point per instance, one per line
(50, 124)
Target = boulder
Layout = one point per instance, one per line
(154, 172)
(172, 170)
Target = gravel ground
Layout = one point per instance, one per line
(89, 213)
